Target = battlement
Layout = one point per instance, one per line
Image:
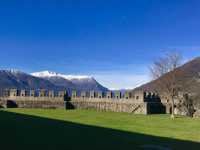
(137, 96)
(34, 95)
(138, 102)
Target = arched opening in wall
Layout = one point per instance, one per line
(108, 97)
(137, 97)
(11, 104)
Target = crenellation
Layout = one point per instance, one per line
(24, 93)
(100, 94)
(93, 94)
(136, 96)
(42, 93)
(118, 95)
(32, 93)
(13, 92)
(51, 94)
(61, 93)
(74, 94)
(134, 102)
(127, 95)
(5, 93)
(109, 94)
(85, 94)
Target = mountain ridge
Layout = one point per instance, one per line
(21, 80)
(188, 71)
(75, 81)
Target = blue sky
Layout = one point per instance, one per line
(113, 40)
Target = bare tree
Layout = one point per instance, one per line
(166, 69)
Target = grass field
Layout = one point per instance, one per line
(88, 129)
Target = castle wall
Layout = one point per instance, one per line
(110, 105)
(139, 102)
(118, 105)
(31, 98)
(7, 103)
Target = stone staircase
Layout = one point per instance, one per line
(134, 108)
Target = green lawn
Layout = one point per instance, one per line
(89, 129)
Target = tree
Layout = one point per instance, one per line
(165, 68)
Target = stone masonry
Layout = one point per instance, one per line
(138, 102)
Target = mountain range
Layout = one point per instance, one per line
(47, 80)
(56, 81)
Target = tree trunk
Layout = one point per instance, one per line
(172, 114)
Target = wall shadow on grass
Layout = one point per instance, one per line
(25, 132)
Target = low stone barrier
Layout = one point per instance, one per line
(32, 104)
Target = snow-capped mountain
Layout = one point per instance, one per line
(49, 74)
(47, 80)
(76, 82)
(17, 79)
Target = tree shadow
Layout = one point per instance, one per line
(20, 132)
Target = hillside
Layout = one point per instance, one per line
(187, 72)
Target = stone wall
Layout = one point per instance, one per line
(119, 106)
(9, 103)
(32, 98)
(138, 102)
